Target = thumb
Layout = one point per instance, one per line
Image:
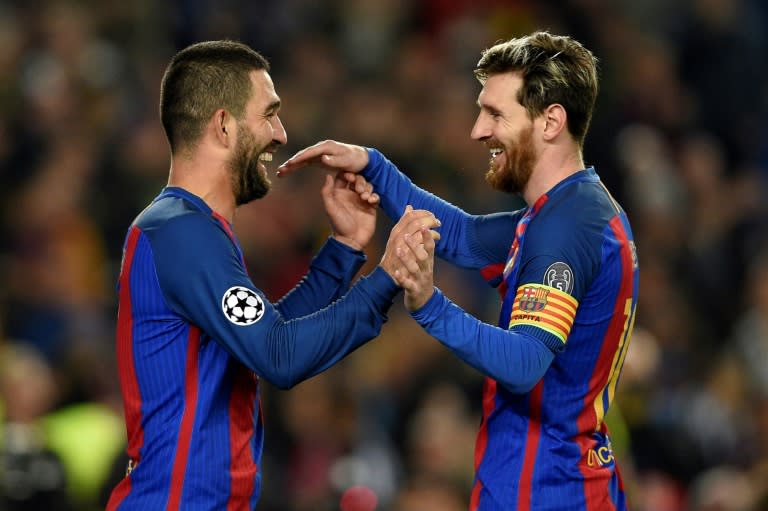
(408, 209)
(327, 185)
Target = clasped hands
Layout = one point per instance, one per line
(351, 206)
(409, 256)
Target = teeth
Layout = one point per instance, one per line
(265, 157)
(496, 151)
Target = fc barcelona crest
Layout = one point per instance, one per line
(533, 299)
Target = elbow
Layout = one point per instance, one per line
(278, 364)
(282, 384)
(278, 375)
(521, 387)
(281, 381)
(525, 382)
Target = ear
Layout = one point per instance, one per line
(223, 125)
(555, 121)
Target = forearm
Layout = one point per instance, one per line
(303, 347)
(468, 241)
(516, 360)
(330, 274)
(397, 191)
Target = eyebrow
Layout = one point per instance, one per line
(486, 106)
(275, 105)
(484, 103)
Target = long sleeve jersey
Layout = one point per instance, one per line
(195, 335)
(567, 272)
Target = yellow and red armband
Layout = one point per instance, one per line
(544, 307)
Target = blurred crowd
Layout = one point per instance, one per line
(680, 136)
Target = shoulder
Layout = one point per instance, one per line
(568, 233)
(576, 213)
(175, 226)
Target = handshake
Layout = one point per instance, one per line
(351, 204)
(410, 254)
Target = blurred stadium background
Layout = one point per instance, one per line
(680, 136)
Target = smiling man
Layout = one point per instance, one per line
(194, 334)
(565, 267)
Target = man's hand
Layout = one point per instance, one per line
(329, 154)
(410, 253)
(351, 206)
(416, 276)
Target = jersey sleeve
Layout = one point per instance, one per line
(468, 241)
(515, 359)
(558, 262)
(330, 273)
(202, 279)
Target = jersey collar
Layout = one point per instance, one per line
(181, 193)
(588, 174)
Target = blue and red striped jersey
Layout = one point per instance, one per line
(195, 335)
(567, 272)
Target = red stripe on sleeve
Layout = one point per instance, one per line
(126, 369)
(187, 420)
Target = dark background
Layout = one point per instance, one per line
(680, 136)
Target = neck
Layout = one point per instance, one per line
(207, 179)
(549, 170)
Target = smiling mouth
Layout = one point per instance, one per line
(495, 152)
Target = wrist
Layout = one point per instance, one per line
(431, 309)
(350, 242)
(415, 302)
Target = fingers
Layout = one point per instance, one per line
(413, 220)
(330, 154)
(329, 184)
(417, 243)
(410, 255)
(428, 238)
(407, 281)
(413, 241)
(410, 248)
(359, 185)
(308, 156)
(415, 268)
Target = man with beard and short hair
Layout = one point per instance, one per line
(565, 267)
(194, 333)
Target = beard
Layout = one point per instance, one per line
(248, 181)
(518, 166)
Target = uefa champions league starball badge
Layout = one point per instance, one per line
(242, 306)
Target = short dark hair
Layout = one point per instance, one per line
(554, 69)
(200, 79)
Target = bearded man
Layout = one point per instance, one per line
(565, 267)
(194, 334)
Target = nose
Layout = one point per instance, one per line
(278, 131)
(481, 130)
